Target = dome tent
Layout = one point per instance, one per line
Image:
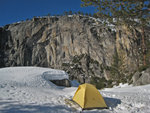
(88, 97)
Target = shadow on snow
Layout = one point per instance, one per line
(112, 102)
(10, 106)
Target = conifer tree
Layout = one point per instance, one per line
(79, 12)
(70, 12)
(49, 14)
(90, 14)
(65, 13)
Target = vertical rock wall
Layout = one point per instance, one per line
(81, 45)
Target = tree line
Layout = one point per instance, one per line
(76, 13)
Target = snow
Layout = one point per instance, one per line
(70, 15)
(121, 85)
(28, 90)
(55, 75)
(111, 26)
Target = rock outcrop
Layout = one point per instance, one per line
(64, 82)
(141, 78)
(80, 45)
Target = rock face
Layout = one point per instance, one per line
(142, 78)
(80, 45)
(136, 76)
(64, 82)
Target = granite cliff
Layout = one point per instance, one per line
(82, 46)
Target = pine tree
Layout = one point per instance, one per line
(49, 14)
(79, 12)
(70, 12)
(65, 13)
(86, 14)
(127, 12)
(90, 14)
(82, 13)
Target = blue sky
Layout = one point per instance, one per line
(16, 10)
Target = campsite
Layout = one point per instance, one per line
(88, 97)
(75, 56)
(24, 90)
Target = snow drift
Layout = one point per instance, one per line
(28, 90)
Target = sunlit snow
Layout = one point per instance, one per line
(28, 90)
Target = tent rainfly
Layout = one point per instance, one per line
(88, 97)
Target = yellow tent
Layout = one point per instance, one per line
(88, 97)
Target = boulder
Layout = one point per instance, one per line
(64, 82)
(148, 70)
(136, 76)
(142, 78)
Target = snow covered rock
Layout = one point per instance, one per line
(64, 82)
(59, 78)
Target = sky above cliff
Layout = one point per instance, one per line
(16, 10)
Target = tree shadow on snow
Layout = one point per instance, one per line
(15, 107)
(112, 102)
(10, 106)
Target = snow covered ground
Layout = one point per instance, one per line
(28, 90)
